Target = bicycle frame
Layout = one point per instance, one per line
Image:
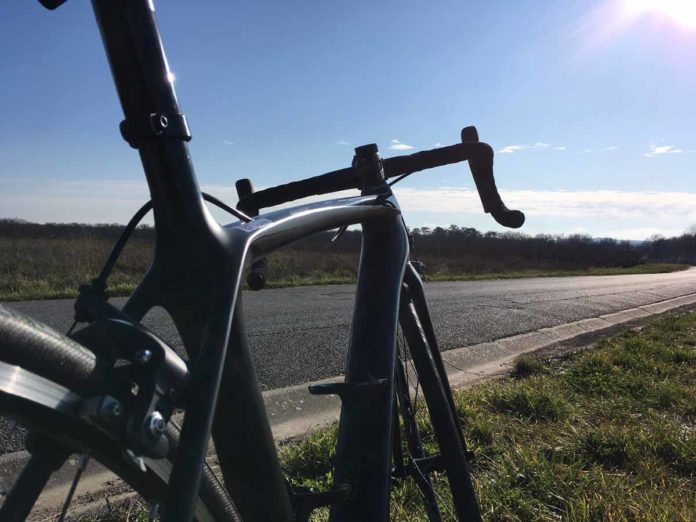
(196, 276)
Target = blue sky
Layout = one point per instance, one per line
(590, 105)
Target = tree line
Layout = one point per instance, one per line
(470, 249)
(464, 247)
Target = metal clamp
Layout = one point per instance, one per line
(156, 124)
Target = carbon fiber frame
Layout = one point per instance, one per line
(196, 277)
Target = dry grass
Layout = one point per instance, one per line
(53, 268)
(56, 267)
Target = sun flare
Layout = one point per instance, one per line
(683, 12)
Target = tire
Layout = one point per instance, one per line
(34, 357)
(417, 377)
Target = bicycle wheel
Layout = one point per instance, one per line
(428, 444)
(44, 378)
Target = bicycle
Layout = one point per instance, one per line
(110, 389)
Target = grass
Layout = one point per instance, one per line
(131, 510)
(606, 434)
(645, 268)
(55, 268)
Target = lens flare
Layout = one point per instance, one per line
(683, 12)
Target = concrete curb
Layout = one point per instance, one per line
(293, 412)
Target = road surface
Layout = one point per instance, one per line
(301, 334)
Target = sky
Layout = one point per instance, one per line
(590, 105)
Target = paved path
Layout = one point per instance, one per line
(301, 334)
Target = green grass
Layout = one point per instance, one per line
(606, 434)
(341, 277)
(646, 268)
(55, 268)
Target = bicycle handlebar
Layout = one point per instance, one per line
(52, 4)
(479, 155)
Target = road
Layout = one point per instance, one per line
(301, 334)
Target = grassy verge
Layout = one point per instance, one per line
(646, 268)
(55, 268)
(607, 434)
(340, 277)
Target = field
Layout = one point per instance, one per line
(54, 267)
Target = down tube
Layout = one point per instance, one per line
(364, 439)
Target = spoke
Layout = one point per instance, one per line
(82, 464)
(427, 491)
(436, 506)
(412, 382)
(445, 504)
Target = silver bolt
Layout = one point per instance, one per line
(142, 357)
(156, 424)
(115, 410)
(163, 121)
(110, 409)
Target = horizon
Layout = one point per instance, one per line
(691, 231)
(589, 107)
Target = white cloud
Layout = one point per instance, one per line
(397, 145)
(600, 203)
(640, 233)
(343, 142)
(658, 150)
(539, 145)
(228, 142)
(578, 230)
(438, 144)
(604, 213)
(509, 149)
(604, 149)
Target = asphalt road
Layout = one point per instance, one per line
(301, 334)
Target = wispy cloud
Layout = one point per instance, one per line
(659, 150)
(630, 214)
(343, 143)
(228, 142)
(580, 204)
(397, 145)
(643, 232)
(539, 145)
(603, 149)
(438, 144)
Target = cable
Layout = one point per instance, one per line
(100, 281)
(399, 178)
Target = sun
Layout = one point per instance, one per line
(683, 12)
